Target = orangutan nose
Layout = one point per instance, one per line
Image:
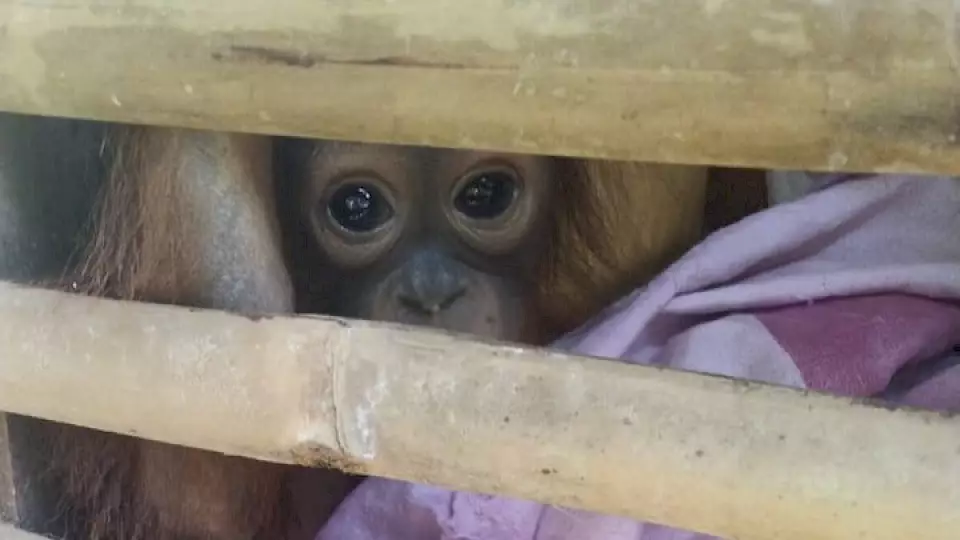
(430, 283)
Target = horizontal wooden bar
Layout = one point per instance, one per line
(866, 85)
(735, 459)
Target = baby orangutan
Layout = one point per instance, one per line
(509, 247)
(444, 238)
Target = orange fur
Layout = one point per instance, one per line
(127, 489)
(616, 224)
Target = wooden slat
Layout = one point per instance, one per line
(854, 84)
(738, 460)
(8, 500)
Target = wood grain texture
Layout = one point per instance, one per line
(825, 85)
(735, 459)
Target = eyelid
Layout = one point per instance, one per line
(350, 249)
(501, 234)
(486, 166)
(359, 176)
(353, 240)
(387, 209)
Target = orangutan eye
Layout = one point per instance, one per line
(486, 195)
(359, 208)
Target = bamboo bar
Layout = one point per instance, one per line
(845, 85)
(730, 458)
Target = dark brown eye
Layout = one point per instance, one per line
(359, 208)
(486, 195)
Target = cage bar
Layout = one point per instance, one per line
(735, 459)
(863, 85)
(858, 85)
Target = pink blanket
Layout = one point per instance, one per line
(851, 289)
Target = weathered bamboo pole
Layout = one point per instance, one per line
(735, 459)
(853, 84)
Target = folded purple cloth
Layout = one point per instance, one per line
(852, 289)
